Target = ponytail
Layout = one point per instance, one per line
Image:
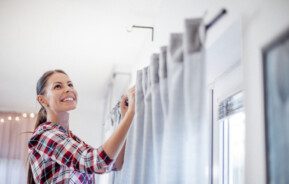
(42, 114)
(41, 118)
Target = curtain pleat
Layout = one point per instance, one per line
(197, 152)
(173, 147)
(163, 82)
(146, 160)
(139, 128)
(157, 119)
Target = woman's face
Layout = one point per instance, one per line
(60, 94)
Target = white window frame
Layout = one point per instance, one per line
(224, 86)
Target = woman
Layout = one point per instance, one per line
(56, 155)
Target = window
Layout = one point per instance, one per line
(231, 119)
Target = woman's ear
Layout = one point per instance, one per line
(41, 99)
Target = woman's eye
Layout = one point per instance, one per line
(70, 85)
(57, 86)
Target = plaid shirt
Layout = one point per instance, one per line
(57, 156)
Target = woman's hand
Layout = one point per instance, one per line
(116, 141)
(123, 105)
(129, 98)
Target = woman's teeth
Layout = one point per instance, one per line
(67, 99)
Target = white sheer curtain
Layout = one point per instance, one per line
(169, 140)
(13, 147)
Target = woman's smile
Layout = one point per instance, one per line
(70, 98)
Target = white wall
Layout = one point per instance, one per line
(268, 21)
(88, 126)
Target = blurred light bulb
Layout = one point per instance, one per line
(24, 115)
(32, 115)
(2, 120)
(9, 118)
(17, 118)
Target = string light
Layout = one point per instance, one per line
(32, 115)
(16, 116)
(24, 115)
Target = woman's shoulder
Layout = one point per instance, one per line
(45, 132)
(48, 126)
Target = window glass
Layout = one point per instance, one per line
(232, 139)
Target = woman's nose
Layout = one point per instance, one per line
(68, 89)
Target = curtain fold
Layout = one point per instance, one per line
(197, 141)
(168, 142)
(146, 173)
(163, 81)
(157, 118)
(137, 130)
(173, 147)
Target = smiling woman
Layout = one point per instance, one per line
(55, 153)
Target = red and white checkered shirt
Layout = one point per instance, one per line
(58, 156)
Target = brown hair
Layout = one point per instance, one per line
(41, 117)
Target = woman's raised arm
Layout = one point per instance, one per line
(116, 142)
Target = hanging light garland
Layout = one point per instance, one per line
(17, 116)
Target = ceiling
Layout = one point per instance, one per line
(87, 39)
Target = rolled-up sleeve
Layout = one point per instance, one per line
(64, 150)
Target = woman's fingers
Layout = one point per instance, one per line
(123, 101)
(123, 98)
(132, 90)
(131, 98)
(123, 106)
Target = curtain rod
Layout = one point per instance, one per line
(207, 27)
(218, 17)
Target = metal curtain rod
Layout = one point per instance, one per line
(218, 17)
(207, 27)
(114, 74)
(146, 27)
